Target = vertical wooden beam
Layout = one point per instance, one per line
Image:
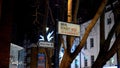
(118, 50)
(116, 13)
(118, 58)
(5, 31)
(69, 20)
(34, 57)
(102, 30)
(69, 11)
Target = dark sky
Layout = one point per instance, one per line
(23, 11)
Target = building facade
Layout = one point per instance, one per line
(91, 49)
(89, 53)
(17, 56)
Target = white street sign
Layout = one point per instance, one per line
(68, 29)
(46, 44)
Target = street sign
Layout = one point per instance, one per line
(68, 29)
(46, 44)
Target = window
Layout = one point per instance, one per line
(85, 47)
(91, 42)
(85, 62)
(29, 51)
(28, 59)
(62, 50)
(92, 59)
(76, 63)
(109, 21)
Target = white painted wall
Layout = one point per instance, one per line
(94, 50)
(95, 33)
(14, 54)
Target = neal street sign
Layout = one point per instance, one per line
(68, 29)
(46, 44)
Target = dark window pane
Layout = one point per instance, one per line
(85, 47)
(85, 62)
(91, 42)
(92, 59)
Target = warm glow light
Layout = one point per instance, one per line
(47, 29)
